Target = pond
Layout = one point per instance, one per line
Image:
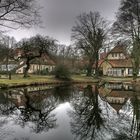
(70, 112)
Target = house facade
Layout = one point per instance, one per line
(8, 66)
(37, 65)
(117, 63)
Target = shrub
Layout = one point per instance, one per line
(62, 72)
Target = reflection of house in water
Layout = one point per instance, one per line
(18, 96)
(116, 94)
(119, 86)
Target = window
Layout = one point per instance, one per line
(109, 72)
(130, 71)
(112, 54)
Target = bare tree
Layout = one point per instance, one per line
(89, 33)
(9, 43)
(18, 13)
(34, 48)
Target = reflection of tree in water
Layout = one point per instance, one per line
(6, 105)
(135, 129)
(35, 113)
(38, 111)
(62, 93)
(87, 115)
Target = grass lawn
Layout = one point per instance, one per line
(18, 80)
(121, 79)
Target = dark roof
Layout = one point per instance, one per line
(121, 93)
(117, 107)
(118, 49)
(44, 60)
(120, 63)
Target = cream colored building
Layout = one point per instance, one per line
(117, 63)
(39, 64)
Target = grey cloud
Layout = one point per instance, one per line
(58, 16)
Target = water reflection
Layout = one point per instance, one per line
(87, 116)
(135, 128)
(126, 103)
(82, 112)
(37, 109)
(28, 107)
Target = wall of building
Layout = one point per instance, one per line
(116, 56)
(105, 66)
(34, 68)
(9, 66)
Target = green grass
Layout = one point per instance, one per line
(83, 78)
(121, 79)
(18, 80)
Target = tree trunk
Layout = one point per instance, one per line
(7, 62)
(135, 71)
(136, 58)
(27, 68)
(89, 68)
(96, 66)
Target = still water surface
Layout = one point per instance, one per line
(76, 112)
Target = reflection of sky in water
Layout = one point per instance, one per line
(114, 123)
(63, 132)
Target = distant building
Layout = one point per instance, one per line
(8, 66)
(17, 64)
(38, 64)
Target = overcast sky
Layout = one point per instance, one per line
(58, 17)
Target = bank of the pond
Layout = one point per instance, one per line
(120, 80)
(19, 81)
(117, 79)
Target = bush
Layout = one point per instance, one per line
(42, 72)
(62, 72)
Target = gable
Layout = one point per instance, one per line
(105, 64)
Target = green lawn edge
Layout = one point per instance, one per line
(18, 80)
